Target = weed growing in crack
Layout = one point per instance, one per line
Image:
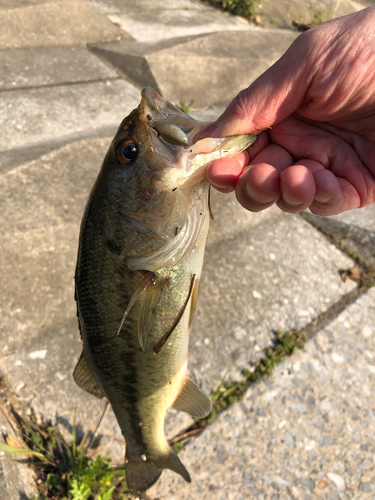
(227, 393)
(245, 8)
(186, 108)
(64, 471)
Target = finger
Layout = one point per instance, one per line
(223, 174)
(333, 195)
(297, 186)
(259, 187)
(274, 155)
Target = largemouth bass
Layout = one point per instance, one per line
(137, 278)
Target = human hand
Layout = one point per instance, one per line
(316, 107)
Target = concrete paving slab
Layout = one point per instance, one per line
(40, 66)
(353, 232)
(69, 22)
(307, 432)
(361, 217)
(262, 287)
(210, 69)
(16, 479)
(41, 216)
(41, 114)
(283, 13)
(16, 4)
(137, 6)
(13, 158)
(159, 24)
(255, 282)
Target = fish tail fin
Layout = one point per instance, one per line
(140, 476)
(172, 462)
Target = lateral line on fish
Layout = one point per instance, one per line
(143, 285)
(165, 338)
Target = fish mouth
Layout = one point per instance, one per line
(172, 124)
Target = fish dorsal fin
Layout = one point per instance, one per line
(85, 379)
(192, 400)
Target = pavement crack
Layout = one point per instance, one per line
(285, 344)
(59, 84)
(13, 158)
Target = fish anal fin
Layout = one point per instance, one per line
(85, 379)
(192, 400)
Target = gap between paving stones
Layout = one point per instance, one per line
(59, 84)
(235, 389)
(302, 335)
(19, 155)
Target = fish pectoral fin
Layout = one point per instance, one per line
(192, 400)
(85, 379)
(159, 346)
(150, 302)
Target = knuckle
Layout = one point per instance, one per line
(239, 106)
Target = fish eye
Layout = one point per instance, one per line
(126, 151)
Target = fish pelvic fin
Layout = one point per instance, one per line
(192, 400)
(85, 379)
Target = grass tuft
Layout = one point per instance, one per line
(227, 393)
(248, 9)
(318, 17)
(186, 108)
(64, 471)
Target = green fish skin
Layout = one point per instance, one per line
(139, 261)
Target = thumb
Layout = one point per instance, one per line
(276, 94)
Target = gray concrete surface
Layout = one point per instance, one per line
(215, 63)
(67, 22)
(46, 113)
(169, 23)
(41, 66)
(352, 231)
(291, 13)
(360, 217)
(306, 432)
(255, 283)
(16, 478)
(59, 107)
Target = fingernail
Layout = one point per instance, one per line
(321, 197)
(254, 194)
(289, 198)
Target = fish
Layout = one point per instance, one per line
(137, 277)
